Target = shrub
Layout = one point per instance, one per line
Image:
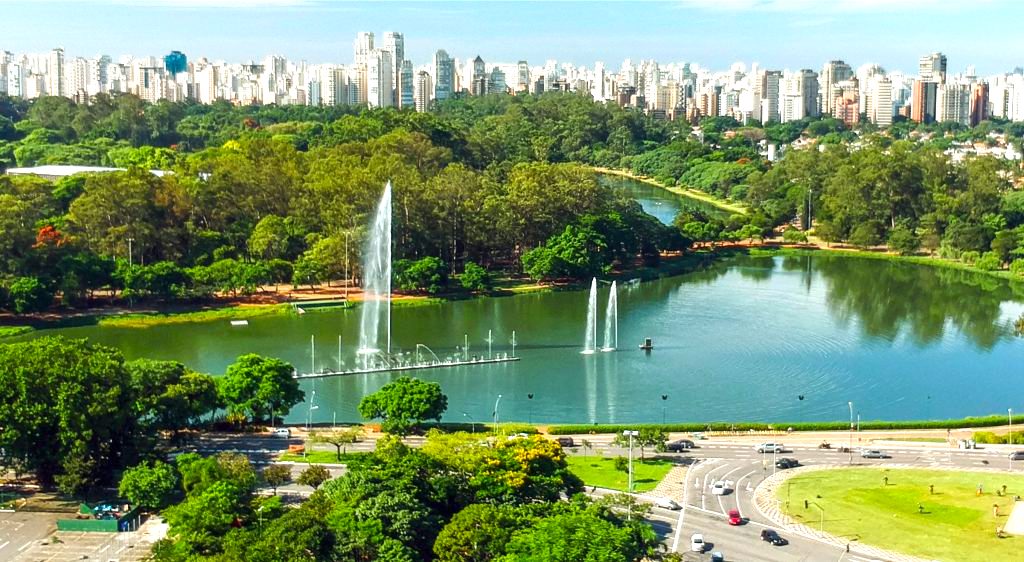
(986, 421)
(989, 261)
(1017, 267)
(969, 257)
(794, 236)
(475, 278)
(621, 464)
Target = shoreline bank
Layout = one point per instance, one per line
(689, 193)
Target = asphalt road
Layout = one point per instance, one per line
(736, 463)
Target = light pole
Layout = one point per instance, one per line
(472, 423)
(664, 398)
(529, 397)
(1009, 413)
(850, 404)
(496, 402)
(309, 410)
(631, 434)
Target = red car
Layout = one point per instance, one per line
(734, 517)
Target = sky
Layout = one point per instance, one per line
(714, 33)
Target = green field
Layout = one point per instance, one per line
(956, 523)
(324, 457)
(601, 472)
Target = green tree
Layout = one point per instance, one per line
(904, 241)
(277, 475)
(428, 275)
(339, 438)
(314, 476)
(579, 536)
(404, 403)
(29, 294)
(260, 386)
(478, 533)
(149, 485)
(475, 278)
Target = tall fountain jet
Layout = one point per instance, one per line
(611, 321)
(377, 281)
(590, 339)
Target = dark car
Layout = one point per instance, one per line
(786, 462)
(566, 441)
(1017, 456)
(874, 454)
(679, 445)
(770, 536)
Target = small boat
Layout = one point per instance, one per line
(239, 322)
(647, 345)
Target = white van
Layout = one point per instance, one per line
(697, 542)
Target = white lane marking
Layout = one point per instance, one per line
(5, 544)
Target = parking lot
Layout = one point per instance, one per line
(32, 537)
(19, 531)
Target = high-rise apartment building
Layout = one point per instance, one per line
(879, 100)
(953, 103)
(522, 76)
(424, 90)
(922, 101)
(496, 81)
(832, 73)
(766, 96)
(362, 47)
(406, 86)
(55, 73)
(979, 103)
(394, 43)
(807, 84)
(379, 89)
(932, 68)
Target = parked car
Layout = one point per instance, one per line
(697, 542)
(773, 538)
(717, 556)
(770, 448)
(734, 517)
(666, 503)
(786, 462)
(873, 454)
(679, 445)
(281, 432)
(566, 441)
(1017, 456)
(720, 488)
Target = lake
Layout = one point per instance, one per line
(741, 340)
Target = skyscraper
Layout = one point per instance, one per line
(363, 46)
(807, 82)
(394, 43)
(922, 101)
(55, 80)
(444, 76)
(766, 95)
(953, 103)
(406, 88)
(379, 90)
(478, 86)
(879, 106)
(496, 81)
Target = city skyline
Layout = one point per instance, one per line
(777, 33)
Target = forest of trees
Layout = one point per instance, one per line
(263, 195)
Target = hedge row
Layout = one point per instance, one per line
(984, 421)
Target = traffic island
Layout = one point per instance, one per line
(899, 512)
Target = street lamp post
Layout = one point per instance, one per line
(1009, 412)
(850, 404)
(530, 398)
(472, 422)
(664, 398)
(496, 402)
(309, 410)
(631, 434)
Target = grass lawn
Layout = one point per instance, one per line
(600, 471)
(956, 523)
(324, 457)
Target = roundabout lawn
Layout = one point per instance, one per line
(601, 472)
(953, 523)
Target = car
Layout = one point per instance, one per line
(281, 432)
(666, 503)
(734, 517)
(770, 448)
(773, 538)
(873, 454)
(717, 556)
(720, 488)
(699, 436)
(566, 441)
(679, 445)
(697, 542)
(786, 462)
(1017, 456)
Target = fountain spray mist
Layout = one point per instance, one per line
(590, 339)
(611, 321)
(376, 308)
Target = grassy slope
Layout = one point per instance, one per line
(956, 525)
(600, 471)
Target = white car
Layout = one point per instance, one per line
(666, 503)
(697, 542)
(281, 432)
(770, 448)
(720, 488)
